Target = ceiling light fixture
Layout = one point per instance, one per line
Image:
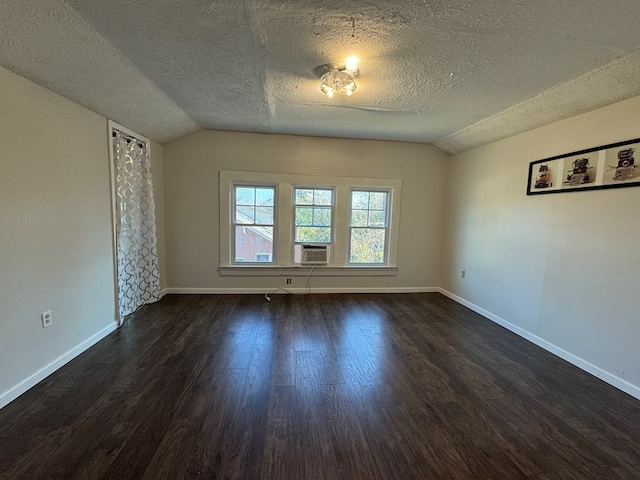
(335, 79)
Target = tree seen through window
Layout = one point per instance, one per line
(369, 224)
(313, 215)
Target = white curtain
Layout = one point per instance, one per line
(136, 241)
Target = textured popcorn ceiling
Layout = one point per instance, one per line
(455, 74)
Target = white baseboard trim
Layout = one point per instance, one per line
(298, 291)
(582, 364)
(29, 382)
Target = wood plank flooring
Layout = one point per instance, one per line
(396, 386)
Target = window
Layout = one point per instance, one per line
(313, 214)
(265, 218)
(253, 219)
(368, 227)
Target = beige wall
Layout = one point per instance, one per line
(157, 160)
(55, 230)
(191, 167)
(562, 267)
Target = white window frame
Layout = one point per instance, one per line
(386, 228)
(332, 208)
(234, 224)
(283, 245)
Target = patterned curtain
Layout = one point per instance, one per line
(136, 242)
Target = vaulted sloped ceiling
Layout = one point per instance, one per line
(455, 74)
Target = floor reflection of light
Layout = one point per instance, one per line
(243, 334)
(246, 340)
(265, 335)
(306, 339)
(360, 357)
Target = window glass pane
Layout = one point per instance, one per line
(251, 241)
(245, 214)
(378, 201)
(304, 215)
(265, 196)
(304, 196)
(313, 215)
(322, 217)
(245, 196)
(254, 205)
(360, 200)
(313, 234)
(264, 215)
(368, 226)
(322, 197)
(377, 218)
(254, 212)
(359, 218)
(367, 245)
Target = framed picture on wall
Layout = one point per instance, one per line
(608, 166)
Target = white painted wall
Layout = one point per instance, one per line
(191, 167)
(55, 232)
(564, 268)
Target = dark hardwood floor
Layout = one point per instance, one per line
(396, 386)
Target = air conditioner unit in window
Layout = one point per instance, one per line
(314, 255)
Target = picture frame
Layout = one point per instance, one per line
(608, 166)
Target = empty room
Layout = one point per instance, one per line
(267, 239)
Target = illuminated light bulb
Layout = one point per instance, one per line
(348, 91)
(329, 92)
(352, 63)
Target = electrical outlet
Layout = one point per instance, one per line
(289, 281)
(463, 273)
(47, 318)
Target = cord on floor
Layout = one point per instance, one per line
(268, 299)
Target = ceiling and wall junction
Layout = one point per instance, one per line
(455, 74)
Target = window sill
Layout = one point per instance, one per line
(303, 271)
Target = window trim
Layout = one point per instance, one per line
(283, 249)
(386, 228)
(232, 211)
(332, 207)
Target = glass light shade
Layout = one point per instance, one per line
(338, 81)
